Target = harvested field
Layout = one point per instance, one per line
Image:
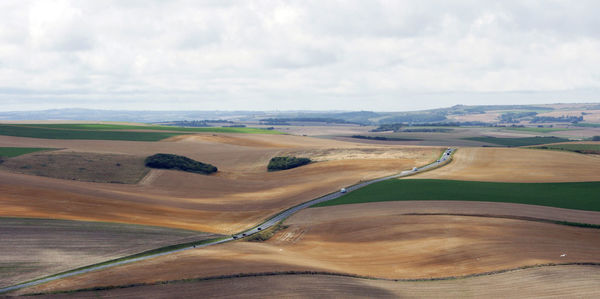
(556, 281)
(33, 248)
(517, 165)
(241, 194)
(89, 167)
(376, 242)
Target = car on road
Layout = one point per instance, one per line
(343, 190)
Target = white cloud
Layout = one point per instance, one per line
(296, 54)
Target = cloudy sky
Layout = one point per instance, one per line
(293, 55)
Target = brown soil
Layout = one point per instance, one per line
(557, 281)
(375, 242)
(33, 248)
(241, 194)
(518, 165)
(89, 167)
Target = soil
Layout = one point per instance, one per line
(371, 241)
(556, 282)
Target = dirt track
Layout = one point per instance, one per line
(518, 165)
(378, 242)
(557, 282)
(240, 195)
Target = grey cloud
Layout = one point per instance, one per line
(286, 54)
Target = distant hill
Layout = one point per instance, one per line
(457, 113)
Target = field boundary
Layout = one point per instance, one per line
(320, 273)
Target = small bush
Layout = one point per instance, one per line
(169, 161)
(282, 163)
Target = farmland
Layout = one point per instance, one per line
(113, 127)
(580, 196)
(369, 240)
(560, 281)
(491, 209)
(37, 247)
(518, 165)
(582, 148)
(80, 166)
(49, 133)
(240, 194)
(9, 152)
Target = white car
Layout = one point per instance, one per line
(343, 190)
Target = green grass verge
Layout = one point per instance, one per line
(581, 148)
(578, 196)
(154, 128)
(10, 152)
(536, 129)
(524, 141)
(266, 234)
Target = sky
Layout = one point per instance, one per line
(296, 55)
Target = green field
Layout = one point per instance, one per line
(588, 125)
(581, 148)
(578, 196)
(112, 127)
(536, 130)
(10, 152)
(524, 141)
(48, 133)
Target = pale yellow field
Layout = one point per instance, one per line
(517, 165)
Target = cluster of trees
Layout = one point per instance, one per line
(384, 138)
(169, 161)
(197, 123)
(514, 117)
(562, 119)
(286, 162)
(285, 121)
(396, 127)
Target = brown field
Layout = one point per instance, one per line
(369, 240)
(489, 116)
(518, 165)
(241, 194)
(545, 282)
(89, 167)
(33, 248)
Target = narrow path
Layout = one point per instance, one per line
(445, 158)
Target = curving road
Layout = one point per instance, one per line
(267, 224)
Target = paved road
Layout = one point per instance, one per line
(269, 223)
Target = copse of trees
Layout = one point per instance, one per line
(169, 161)
(286, 162)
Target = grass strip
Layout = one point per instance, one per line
(10, 152)
(578, 196)
(536, 129)
(111, 127)
(524, 141)
(581, 148)
(49, 133)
